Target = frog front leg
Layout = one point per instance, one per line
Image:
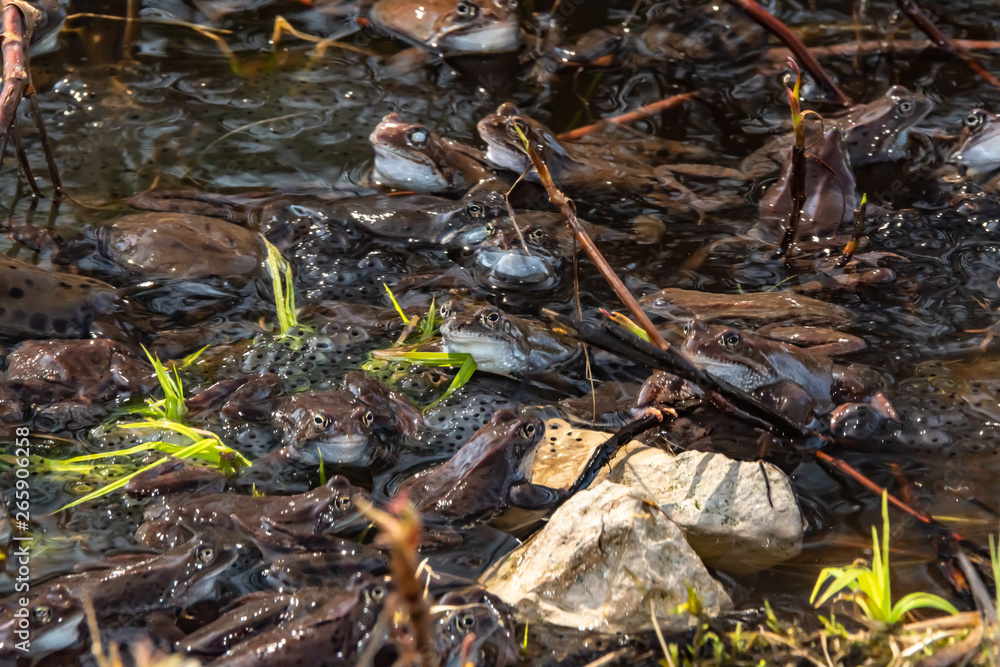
(528, 496)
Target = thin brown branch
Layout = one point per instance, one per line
(568, 209)
(638, 114)
(797, 47)
(22, 160)
(15, 72)
(43, 136)
(851, 49)
(914, 13)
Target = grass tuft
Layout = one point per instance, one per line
(870, 587)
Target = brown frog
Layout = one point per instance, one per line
(595, 170)
(337, 425)
(802, 384)
(333, 634)
(411, 157)
(65, 381)
(451, 26)
(175, 518)
(749, 308)
(35, 303)
(159, 246)
(506, 344)
(873, 132)
(488, 475)
(979, 145)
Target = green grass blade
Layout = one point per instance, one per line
(920, 600)
(396, 305)
(427, 327)
(282, 286)
(322, 467)
(464, 374)
(842, 578)
(121, 482)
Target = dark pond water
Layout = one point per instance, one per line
(162, 107)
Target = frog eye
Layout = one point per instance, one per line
(418, 137)
(42, 613)
(512, 4)
(490, 229)
(465, 622)
(536, 235)
(375, 593)
(344, 503)
(320, 420)
(527, 431)
(513, 124)
(205, 554)
(904, 107)
(475, 209)
(466, 10)
(687, 327)
(367, 418)
(731, 340)
(445, 310)
(975, 120)
(490, 318)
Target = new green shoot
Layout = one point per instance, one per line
(284, 290)
(172, 405)
(870, 587)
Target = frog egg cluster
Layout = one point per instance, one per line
(453, 421)
(948, 416)
(303, 360)
(321, 276)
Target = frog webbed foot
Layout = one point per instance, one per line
(664, 390)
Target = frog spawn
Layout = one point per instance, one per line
(303, 360)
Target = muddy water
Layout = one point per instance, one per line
(162, 106)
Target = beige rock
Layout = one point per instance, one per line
(599, 563)
(563, 453)
(725, 508)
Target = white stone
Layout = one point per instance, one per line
(600, 560)
(724, 506)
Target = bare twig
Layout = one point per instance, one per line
(913, 11)
(43, 137)
(801, 51)
(399, 530)
(568, 209)
(797, 174)
(15, 70)
(22, 159)
(638, 114)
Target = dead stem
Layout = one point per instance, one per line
(15, 70)
(794, 44)
(568, 209)
(399, 530)
(914, 13)
(638, 114)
